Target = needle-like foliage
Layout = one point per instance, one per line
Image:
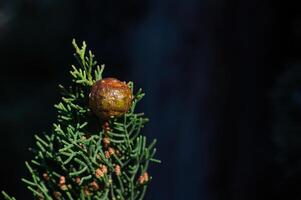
(84, 158)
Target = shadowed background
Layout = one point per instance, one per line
(222, 82)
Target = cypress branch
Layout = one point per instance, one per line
(89, 155)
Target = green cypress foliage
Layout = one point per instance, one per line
(84, 158)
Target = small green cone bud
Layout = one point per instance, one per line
(109, 98)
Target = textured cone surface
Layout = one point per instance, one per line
(110, 97)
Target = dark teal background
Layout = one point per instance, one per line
(209, 69)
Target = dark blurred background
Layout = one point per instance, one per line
(222, 78)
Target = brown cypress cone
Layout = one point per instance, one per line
(109, 98)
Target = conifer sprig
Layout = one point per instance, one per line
(80, 159)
